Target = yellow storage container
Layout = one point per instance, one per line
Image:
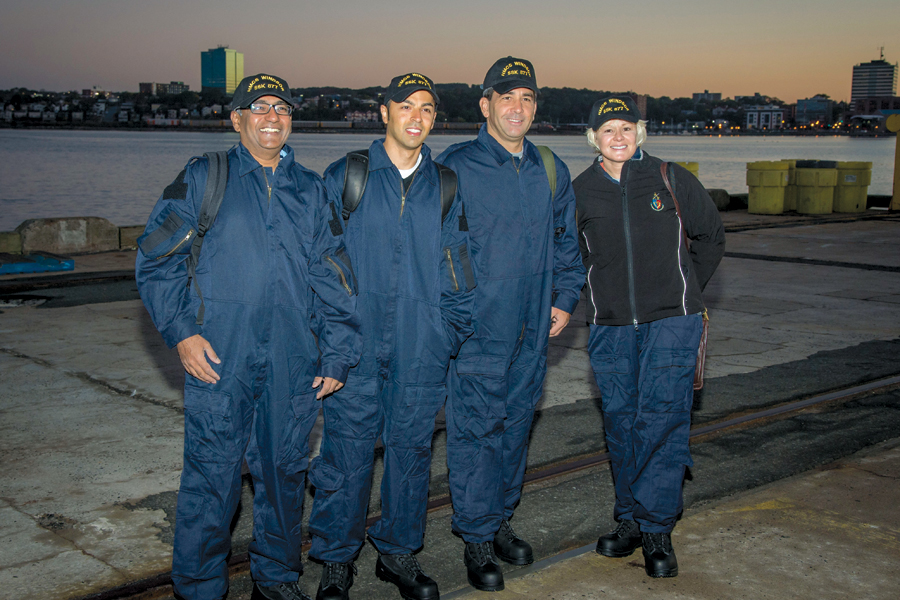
(816, 180)
(693, 167)
(767, 180)
(852, 189)
(790, 192)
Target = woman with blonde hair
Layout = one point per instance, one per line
(648, 260)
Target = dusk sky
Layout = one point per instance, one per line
(787, 49)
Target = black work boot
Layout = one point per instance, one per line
(621, 542)
(336, 581)
(279, 591)
(482, 568)
(659, 557)
(510, 547)
(403, 570)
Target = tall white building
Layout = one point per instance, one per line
(877, 78)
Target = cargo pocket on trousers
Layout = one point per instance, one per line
(671, 379)
(615, 379)
(479, 405)
(190, 504)
(211, 426)
(295, 447)
(412, 424)
(326, 507)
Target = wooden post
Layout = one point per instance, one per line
(893, 124)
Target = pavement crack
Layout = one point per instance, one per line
(131, 394)
(876, 474)
(96, 381)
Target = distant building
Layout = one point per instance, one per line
(221, 68)
(877, 78)
(764, 117)
(159, 89)
(872, 106)
(708, 96)
(817, 109)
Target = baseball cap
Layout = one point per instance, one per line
(613, 107)
(254, 87)
(402, 86)
(510, 73)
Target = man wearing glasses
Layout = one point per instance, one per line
(271, 267)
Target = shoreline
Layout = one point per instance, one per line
(339, 127)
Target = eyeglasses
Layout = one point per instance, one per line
(261, 108)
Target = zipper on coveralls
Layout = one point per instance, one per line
(403, 194)
(179, 245)
(268, 187)
(452, 271)
(630, 253)
(341, 274)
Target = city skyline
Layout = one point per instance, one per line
(787, 51)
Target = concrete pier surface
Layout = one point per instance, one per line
(804, 507)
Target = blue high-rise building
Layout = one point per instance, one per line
(221, 68)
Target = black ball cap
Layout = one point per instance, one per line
(613, 107)
(252, 88)
(510, 73)
(402, 86)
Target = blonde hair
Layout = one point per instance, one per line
(641, 137)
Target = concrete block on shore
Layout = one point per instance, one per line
(128, 236)
(10, 242)
(720, 197)
(68, 235)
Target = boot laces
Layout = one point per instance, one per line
(482, 552)
(337, 574)
(290, 591)
(657, 542)
(507, 531)
(410, 563)
(625, 529)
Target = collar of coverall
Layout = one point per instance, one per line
(501, 154)
(248, 164)
(379, 159)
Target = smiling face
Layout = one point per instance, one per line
(409, 121)
(617, 140)
(263, 135)
(509, 116)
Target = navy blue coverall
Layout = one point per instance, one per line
(270, 267)
(526, 258)
(415, 303)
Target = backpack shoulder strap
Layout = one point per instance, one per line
(665, 169)
(449, 184)
(549, 167)
(355, 177)
(216, 180)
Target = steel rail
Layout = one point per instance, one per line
(159, 585)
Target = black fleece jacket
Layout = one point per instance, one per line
(639, 267)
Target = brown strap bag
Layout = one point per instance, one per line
(701, 351)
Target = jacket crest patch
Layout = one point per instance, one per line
(655, 203)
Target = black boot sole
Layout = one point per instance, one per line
(514, 561)
(486, 588)
(669, 573)
(385, 575)
(620, 554)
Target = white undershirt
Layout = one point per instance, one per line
(404, 173)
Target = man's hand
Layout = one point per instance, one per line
(558, 321)
(329, 386)
(193, 352)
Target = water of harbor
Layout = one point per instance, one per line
(119, 175)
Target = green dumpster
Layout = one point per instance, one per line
(766, 180)
(816, 180)
(852, 189)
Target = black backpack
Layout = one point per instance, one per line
(216, 180)
(357, 174)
